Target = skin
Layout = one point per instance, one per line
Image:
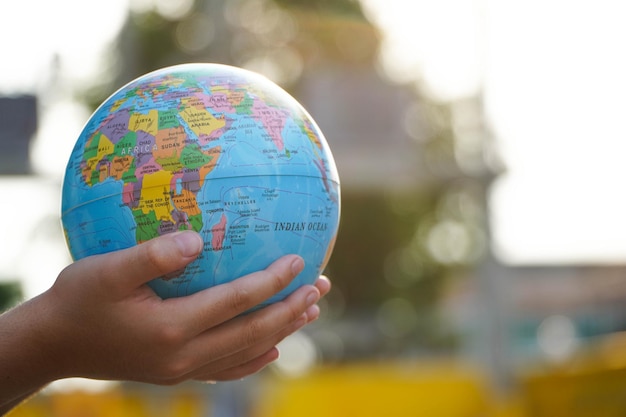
(100, 320)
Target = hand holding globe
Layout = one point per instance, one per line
(198, 180)
(100, 321)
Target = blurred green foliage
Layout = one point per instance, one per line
(367, 258)
(10, 294)
(342, 7)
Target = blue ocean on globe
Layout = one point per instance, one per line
(211, 148)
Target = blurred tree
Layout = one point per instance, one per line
(10, 294)
(282, 40)
(332, 7)
(392, 245)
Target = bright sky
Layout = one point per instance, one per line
(555, 91)
(34, 31)
(553, 81)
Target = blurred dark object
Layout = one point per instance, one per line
(18, 123)
(10, 294)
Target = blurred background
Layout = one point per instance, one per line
(480, 268)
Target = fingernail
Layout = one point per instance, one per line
(189, 243)
(297, 265)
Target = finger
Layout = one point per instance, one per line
(323, 285)
(246, 336)
(239, 340)
(240, 371)
(206, 309)
(201, 359)
(225, 365)
(241, 359)
(258, 333)
(130, 268)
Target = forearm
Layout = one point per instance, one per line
(25, 364)
(8, 406)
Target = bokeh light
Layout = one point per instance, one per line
(396, 317)
(298, 354)
(195, 33)
(557, 337)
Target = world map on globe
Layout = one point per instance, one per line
(211, 148)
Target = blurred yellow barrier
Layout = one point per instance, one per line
(585, 393)
(591, 384)
(424, 389)
(113, 403)
(429, 388)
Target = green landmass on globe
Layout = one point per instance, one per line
(211, 148)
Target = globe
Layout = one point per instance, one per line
(206, 147)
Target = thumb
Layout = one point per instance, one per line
(130, 268)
